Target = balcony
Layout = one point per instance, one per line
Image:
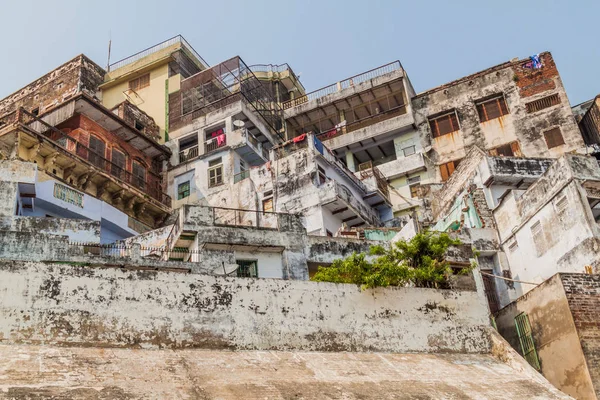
(215, 143)
(344, 205)
(248, 147)
(402, 166)
(188, 154)
(351, 82)
(65, 159)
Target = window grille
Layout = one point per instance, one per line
(444, 124)
(542, 103)
(526, 339)
(491, 109)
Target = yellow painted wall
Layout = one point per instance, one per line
(151, 99)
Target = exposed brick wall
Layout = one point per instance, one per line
(534, 81)
(75, 76)
(80, 127)
(583, 295)
(131, 113)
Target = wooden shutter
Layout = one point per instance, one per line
(444, 172)
(444, 125)
(492, 109)
(554, 137)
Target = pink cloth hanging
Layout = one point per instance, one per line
(220, 140)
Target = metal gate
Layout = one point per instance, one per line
(525, 337)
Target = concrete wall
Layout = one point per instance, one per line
(519, 86)
(68, 305)
(555, 337)
(75, 230)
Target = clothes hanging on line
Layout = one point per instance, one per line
(299, 139)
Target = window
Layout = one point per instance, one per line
(36, 111)
(413, 184)
(183, 190)
(542, 103)
(98, 149)
(554, 138)
(215, 172)
(560, 204)
(444, 124)
(507, 150)
(139, 126)
(408, 150)
(140, 82)
(247, 269)
(139, 175)
(267, 205)
(526, 340)
(491, 109)
(513, 244)
(118, 163)
(447, 169)
(188, 147)
(321, 176)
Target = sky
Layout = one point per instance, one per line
(324, 41)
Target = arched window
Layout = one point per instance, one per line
(139, 175)
(119, 163)
(98, 151)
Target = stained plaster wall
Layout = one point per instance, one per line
(75, 230)
(566, 230)
(554, 334)
(82, 306)
(519, 86)
(77, 75)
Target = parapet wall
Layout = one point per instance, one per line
(72, 305)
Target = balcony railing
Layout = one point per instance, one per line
(215, 143)
(241, 176)
(368, 170)
(150, 184)
(188, 154)
(346, 83)
(362, 123)
(157, 48)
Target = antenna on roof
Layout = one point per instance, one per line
(108, 61)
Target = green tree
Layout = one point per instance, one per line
(419, 261)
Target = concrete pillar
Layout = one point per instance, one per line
(350, 161)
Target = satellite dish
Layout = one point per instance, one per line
(238, 123)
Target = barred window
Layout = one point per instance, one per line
(139, 175)
(444, 124)
(491, 109)
(247, 269)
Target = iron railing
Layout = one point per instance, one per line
(156, 48)
(215, 143)
(346, 83)
(362, 123)
(175, 232)
(122, 250)
(188, 154)
(150, 184)
(367, 170)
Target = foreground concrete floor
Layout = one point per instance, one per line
(40, 372)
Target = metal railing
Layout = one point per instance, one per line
(269, 68)
(241, 176)
(362, 123)
(150, 184)
(368, 170)
(346, 83)
(175, 232)
(215, 143)
(122, 250)
(156, 48)
(188, 154)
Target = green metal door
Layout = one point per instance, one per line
(525, 337)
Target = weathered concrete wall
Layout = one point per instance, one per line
(583, 295)
(82, 306)
(75, 229)
(77, 75)
(554, 334)
(519, 86)
(92, 373)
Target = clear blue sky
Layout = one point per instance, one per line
(325, 41)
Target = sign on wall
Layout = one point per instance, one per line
(68, 195)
